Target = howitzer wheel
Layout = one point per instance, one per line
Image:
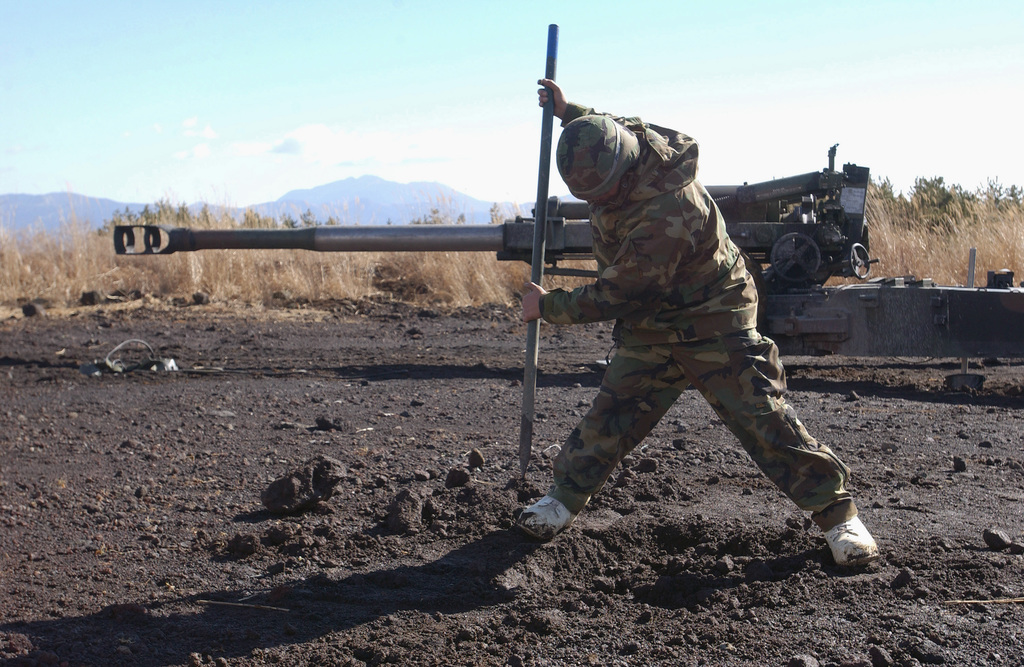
(795, 258)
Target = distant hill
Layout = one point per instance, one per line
(370, 200)
(48, 212)
(366, 200)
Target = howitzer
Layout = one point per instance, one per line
(795, 233)
(804, 228)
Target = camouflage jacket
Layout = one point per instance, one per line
(667, 270)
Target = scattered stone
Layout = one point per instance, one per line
(856, 662)
(467, 634)
(326, 424)
(904, 578)
(623, 479)
(647, 465)
(924, 650)
(996, 539)
(305, 487)
(630, 648)
(92, 298)
(985, 444)
(476, 459)
(724, 565)
(880, 657)
(959, 465)
(547, 622)
(125, 611)
(802, 661)
(1016, 549)
(201, 298)
(456, 477)
(33, 309)
(852, 396)
(244, 544)
(281, 533)
(421, 475)
(604, 584)
(405, 514)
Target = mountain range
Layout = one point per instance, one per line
(365, 200)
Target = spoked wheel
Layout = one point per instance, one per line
(795, 258)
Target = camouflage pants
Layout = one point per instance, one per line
(741, 377)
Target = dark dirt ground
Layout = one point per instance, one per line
(132, 531)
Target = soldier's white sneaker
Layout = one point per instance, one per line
(545, 518)
(851, 543)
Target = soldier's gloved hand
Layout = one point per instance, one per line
(550, 90)
(531, 301)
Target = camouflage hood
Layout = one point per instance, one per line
(593, 154)
(667, 162)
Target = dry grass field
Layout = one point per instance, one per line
(927, 234)
(930, 234)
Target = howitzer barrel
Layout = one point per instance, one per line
(161, 240)
(510, 237)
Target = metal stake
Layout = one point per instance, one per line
(970, 285)
(537, 260)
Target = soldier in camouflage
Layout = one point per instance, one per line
(685, 309)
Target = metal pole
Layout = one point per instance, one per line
(971, 258)
(537, 262)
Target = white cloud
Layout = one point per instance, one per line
(190, 128)
(206, 133)
(158, 128)
(197, 152)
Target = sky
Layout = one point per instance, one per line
(237, 103)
